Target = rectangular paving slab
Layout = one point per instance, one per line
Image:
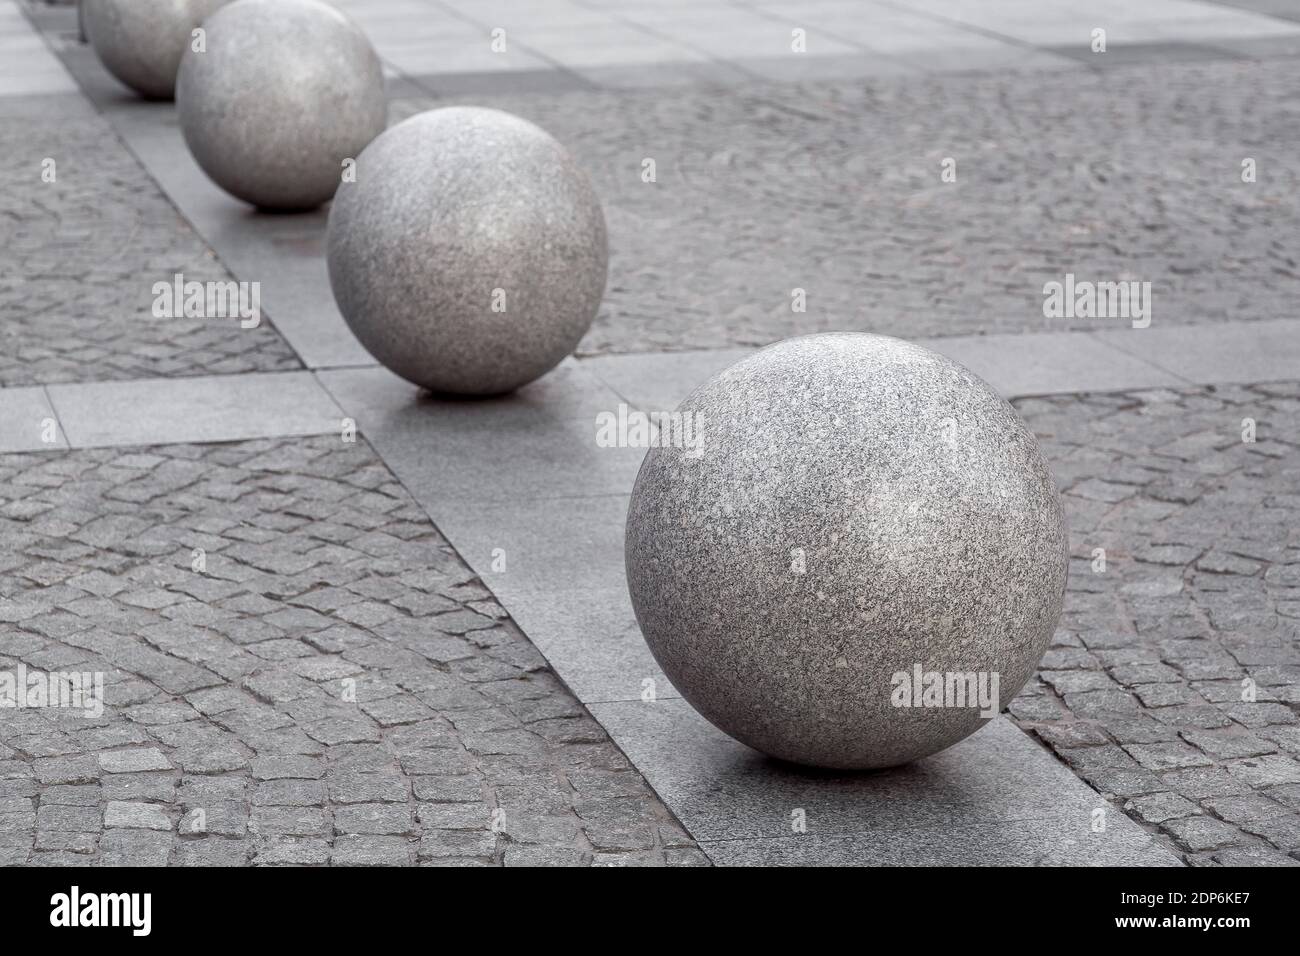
(996, 798)
(538, 443)
(1266, 351)
(207, 409)
(27, 422)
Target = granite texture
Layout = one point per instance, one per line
(470, 255)
(141, 41)
(286, 92)
(855, 507)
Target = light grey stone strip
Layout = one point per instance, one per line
(994, 798)
(166, 410)
(1018, 366)
(27, 421)
(530, 502)
(1051, 363)
(1235, 353)
(27, 67)
(521, 490)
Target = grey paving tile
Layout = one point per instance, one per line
(27, 67)
(1047, 842)
(1050, 362)
(531, 80)
(537, 444)
(1258, 48)
(659, 381)
(645, 75)
(559, 571)
(1031, 364)
(520, 480)
(206, 409)
(1143, 53)
(593, 641)
(1001, 57)
(1064, 22)
(27, 420)
(40, 82)
(1284, 9)
(840, 66)
(1242, 353)
(609, 43)
(569, 544)
(998, 781)
(69, 105)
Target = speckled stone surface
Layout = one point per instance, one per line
(470, 255)
(287, 90)
(858, 506)
(141, 41)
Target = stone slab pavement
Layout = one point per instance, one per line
(478, 46)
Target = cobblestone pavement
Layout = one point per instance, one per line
(81, 256)
(835, 188)
(1199, 591)
(333, 685)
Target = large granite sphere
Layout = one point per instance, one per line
(286, 92)
(141, 41)
(858, 508)
(469, 256)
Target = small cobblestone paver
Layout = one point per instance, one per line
(249, 717)
(81, 257)
(834, 188)
(1173, 684)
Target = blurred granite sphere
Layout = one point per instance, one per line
(285, 93)
(861, 558)
(141, 41)
(469, 257)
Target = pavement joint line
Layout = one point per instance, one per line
(750, 74)
(58, 419)
(862, 48)
(53, 54)
(967, 27)
(893, 828)
(1169, 371)
(555, 64)
(1106, 343)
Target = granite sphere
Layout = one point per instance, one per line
(854, 515)
(141, 41)
(469, 257)
(287, 91)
